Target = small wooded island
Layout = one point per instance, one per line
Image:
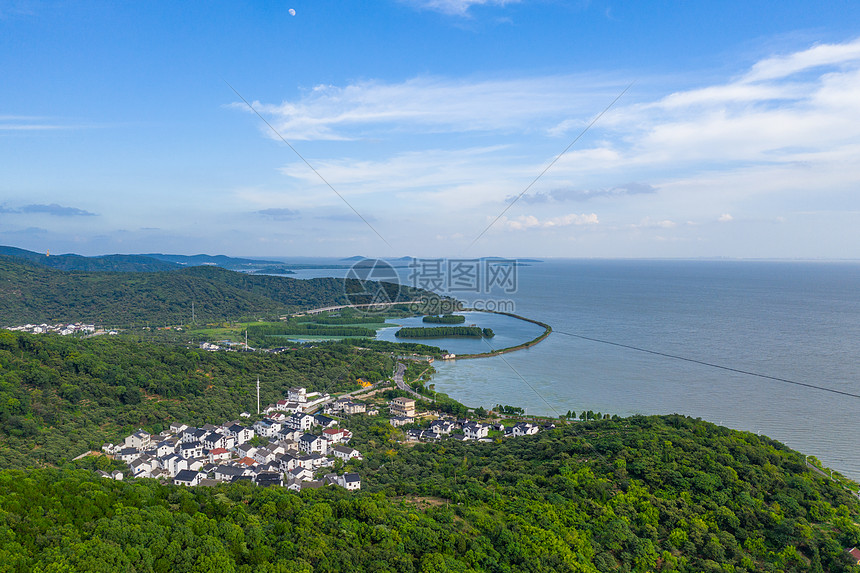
(445, 319)
(445, 332)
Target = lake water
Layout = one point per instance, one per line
(794, 320)
(509, 331)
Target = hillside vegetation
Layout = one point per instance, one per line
(639, 494)
(60, 397)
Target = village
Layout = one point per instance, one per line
(290, 446)
(61, 329)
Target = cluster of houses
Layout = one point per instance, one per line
(293, 445)
(291, 450)
(471, 430)
(225, 345)
(403, 413)
(62, 329)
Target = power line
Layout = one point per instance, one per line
(281, 137)
(551, 407)
(710, 364)
(553, 162)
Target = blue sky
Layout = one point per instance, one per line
(739, 136)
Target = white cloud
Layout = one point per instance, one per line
(821, 55)
(785, 132)
(725, 218)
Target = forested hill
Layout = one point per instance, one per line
(636, 495)
(664, 493)
(35, 294)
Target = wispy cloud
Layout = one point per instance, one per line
(435, 105)
(563, 195)
(53, 209)
(279, 214)
(33, 123)
(10, 8)
(455, 7)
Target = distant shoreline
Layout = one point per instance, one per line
(547, 331)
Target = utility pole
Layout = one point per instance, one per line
(193, 315)
(258, 395)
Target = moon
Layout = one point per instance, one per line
(292, 12)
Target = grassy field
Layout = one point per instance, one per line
(236, 331)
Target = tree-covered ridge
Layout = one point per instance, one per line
(60, 397)
(638, 494)
(30, 293)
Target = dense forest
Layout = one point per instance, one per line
(657, 493)
(36, 294)
(60, 396)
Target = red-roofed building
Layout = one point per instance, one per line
(218, 454)
(337, 435)
(250, 462)
(855, 554)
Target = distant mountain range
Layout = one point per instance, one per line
(160, 262)
(70, 262)
(146, 263)
(398, 259)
